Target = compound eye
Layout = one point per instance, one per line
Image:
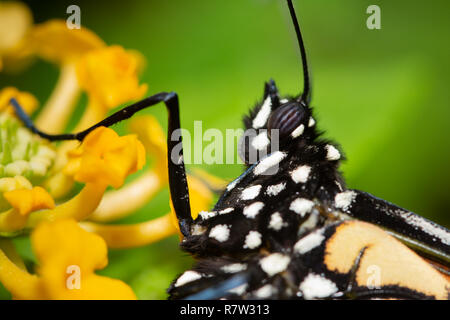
(288, 120)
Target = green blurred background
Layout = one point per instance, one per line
(382, 94)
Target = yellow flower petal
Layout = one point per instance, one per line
(68, 257)
(26, 100)
(55, 42)
(26, 201)
(9, 184)
(23, 202)
(59, 107)
(109, 75)
(63, 246)
(19, 282)
(106, 158)
(78, 208)
(134, 235)
(154, 140)
(120, 203)
(213, 182)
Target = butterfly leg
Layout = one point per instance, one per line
(177, 173)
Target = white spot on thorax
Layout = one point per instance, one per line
(253, 209)
(344, 199)
(251, 192)
(298, 131)
(220, 232)
(252, 240)
(301, 206)
(261, 141)
(269, 161)
(311, 122)
(187, 277)
(284, 101)
(275, 189)
(261, 118)
(276, 222)
(301, 174)
(309, 242)
(274, 263)
(234, 267)
(332, 153)
(315, 286)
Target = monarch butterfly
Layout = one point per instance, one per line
(288, 227)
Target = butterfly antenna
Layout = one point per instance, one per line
(306, 95)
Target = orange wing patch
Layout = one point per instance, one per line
(386, 261)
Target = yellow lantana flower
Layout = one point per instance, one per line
(23, 202)
(106, 158)
(102, 159)
(68, 257)
(26, 201)
(34, 171)
(53, 41)
(110, 76)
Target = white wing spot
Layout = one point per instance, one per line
(344, 199)
(220, 232)
(301, 174)
(315, 286)
(252, 240)
(251, 192)
(301, 206)
(275, 189)
(252, 210)
(427, 226)
(274, 263)
(332, 153)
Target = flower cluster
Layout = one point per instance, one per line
(70, 234)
